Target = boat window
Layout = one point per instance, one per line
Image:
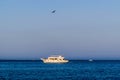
(55, 58)
(51, 58)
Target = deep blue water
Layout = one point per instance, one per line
(74, 70)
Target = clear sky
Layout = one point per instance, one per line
(80, 29)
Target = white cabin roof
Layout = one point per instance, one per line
(55, 56)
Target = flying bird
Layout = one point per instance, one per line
(53, 11)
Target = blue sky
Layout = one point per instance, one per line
(80, 29)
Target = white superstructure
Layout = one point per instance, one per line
(54, 59)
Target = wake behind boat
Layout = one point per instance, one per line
(54, 59)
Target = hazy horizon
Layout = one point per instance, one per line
(80, 29)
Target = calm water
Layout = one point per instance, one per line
(74, 70)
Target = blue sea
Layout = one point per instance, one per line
(73, 70)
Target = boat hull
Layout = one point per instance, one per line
(54, 61)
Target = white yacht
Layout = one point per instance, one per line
(90, 60)
(54, 59)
